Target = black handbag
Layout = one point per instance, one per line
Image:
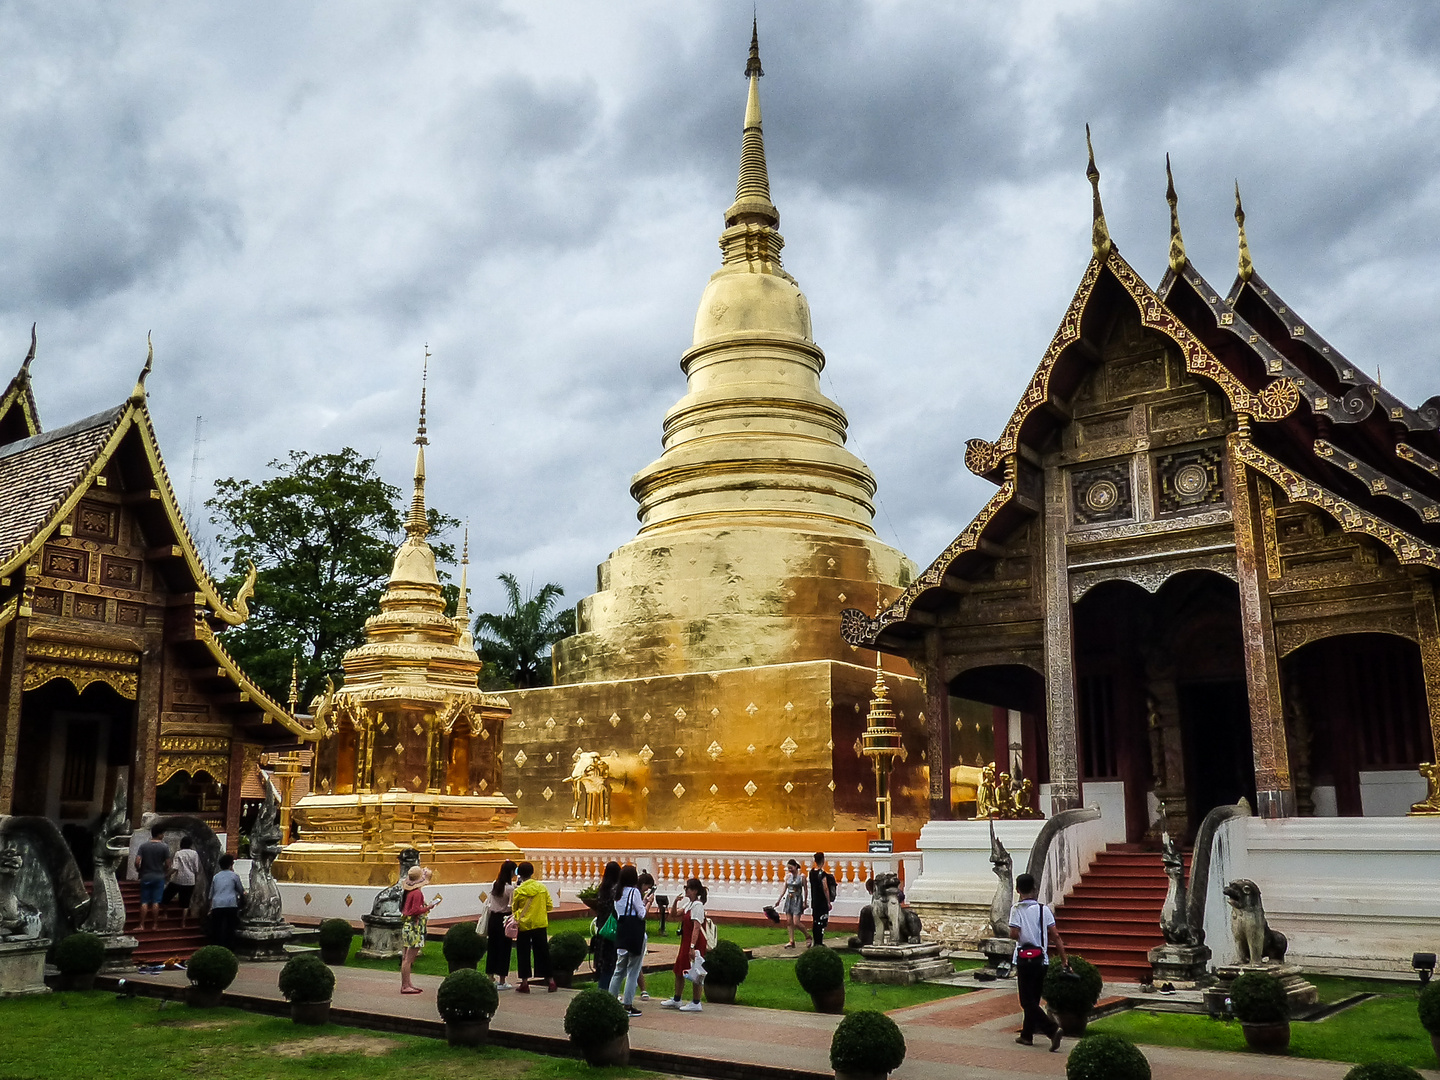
(630, 932)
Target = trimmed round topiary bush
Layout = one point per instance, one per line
(820, 971)
(80, 954)
(1430, 1008)
(466, 995)
(1106, 1057)
(594, 1018)
(335, 937)
(1383, 1070)
(1258, 998)
(568, 951)
(867, 1042)
(726, 964)
(212, 968)
(1075, 991)
(306, 980)
(463, 947)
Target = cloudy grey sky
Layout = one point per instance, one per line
(296, 197)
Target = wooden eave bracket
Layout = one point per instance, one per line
(1426, 508)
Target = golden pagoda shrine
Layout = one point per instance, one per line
(409, 751)
(1209, 568)
(707, 686)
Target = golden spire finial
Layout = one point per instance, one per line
(1247, 268)
(462, 606)
(1177, 242)
(752, 66)
(294, 684)
(1099, 232)
(417, 523)
(752, 190)
(138, 394)
(30, 356)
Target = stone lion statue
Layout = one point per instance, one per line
(894, 924)
(1255, 941)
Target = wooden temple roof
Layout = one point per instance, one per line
(1319, 427)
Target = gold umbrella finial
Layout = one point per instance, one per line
(294, 684)
(1100, 240)
(1177, 242)
(417, 522)
(1247, 268)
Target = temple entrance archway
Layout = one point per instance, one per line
(1163, 708)
(998, 711)
(1357, 724)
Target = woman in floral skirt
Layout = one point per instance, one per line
(412, 929)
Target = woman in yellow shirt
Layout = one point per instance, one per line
(531, 904)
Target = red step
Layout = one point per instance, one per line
(167, 938)
(1112, 914)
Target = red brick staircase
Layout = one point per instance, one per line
(167, 939)
(1112, 915)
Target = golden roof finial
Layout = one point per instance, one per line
(138, 394)
(417, 523)
(1247, 268)
(752, 66)
(294, 684)
(30, 356)
(462, 606)
(1099, 232)
(752, 190)
(1177, 242)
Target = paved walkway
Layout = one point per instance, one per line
(969, 1037)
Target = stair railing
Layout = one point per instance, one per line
(1067, 845)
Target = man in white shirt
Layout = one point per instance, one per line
(1032, 928)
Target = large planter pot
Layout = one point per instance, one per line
(335, 955)
(456, 965)
(563, 978)
(719, 993)
(1435, 1043)
(198, 997)
(1267, 1038)
(467, 1032)
(75, 980)
(614, 1052)
(1073, 1023)
(832, 1001)
(310, 1012)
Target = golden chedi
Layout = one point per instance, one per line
(410, 748)
(707, 672)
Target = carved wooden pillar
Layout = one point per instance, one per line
(1060, 711)
(1427, 626)
(146, 751)
(937, 728)
(12, 696)
(232, 793)
(1274, 793)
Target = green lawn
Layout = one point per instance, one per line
(1385, 1028)
(96, 1035)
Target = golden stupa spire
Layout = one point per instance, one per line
(1247, 268)
(417, 522)
(1177, 242)
(1099, 231)
(462, 606)
(752, 190)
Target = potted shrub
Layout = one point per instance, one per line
(726, 966)
(466, 1001)
(599, 1026)
(1260, 1005)
(463, 946)
(867, 1045)
(335, 935)
(210, 971)
(307, 984)
(1430, 1014)
(1383, 1070)
(822, 975)
(567, 952)
(1072, 992)
(590, 897)
(79, 957)
(1106, 1057)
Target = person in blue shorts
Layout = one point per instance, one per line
(152, 862)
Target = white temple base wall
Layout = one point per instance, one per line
(329, 901)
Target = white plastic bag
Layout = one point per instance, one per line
(696, 973)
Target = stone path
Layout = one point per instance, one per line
(970, 1037)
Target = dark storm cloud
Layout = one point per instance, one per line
(296, 198)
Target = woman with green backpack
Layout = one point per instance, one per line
(602, 945)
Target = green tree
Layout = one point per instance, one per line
(322, 533)
(515, 644)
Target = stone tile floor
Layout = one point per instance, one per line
(970, 1037)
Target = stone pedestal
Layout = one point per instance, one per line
(22, 967)
(997, 950)
(263, 941)
(382, 937)
(1184, 966)
(119, 954)
(1302, 995)
(900, 965)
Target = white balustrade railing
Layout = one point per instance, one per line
(736, 881)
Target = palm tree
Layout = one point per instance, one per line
(515, 644)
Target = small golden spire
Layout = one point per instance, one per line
(752, 66)
(752, 190)
(294, 684)
(1099, 232)
(138, 394)
(1177, 242)
(1247, 268)
(462, 606)
(417, 523)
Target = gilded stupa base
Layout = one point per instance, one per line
(355, 840)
